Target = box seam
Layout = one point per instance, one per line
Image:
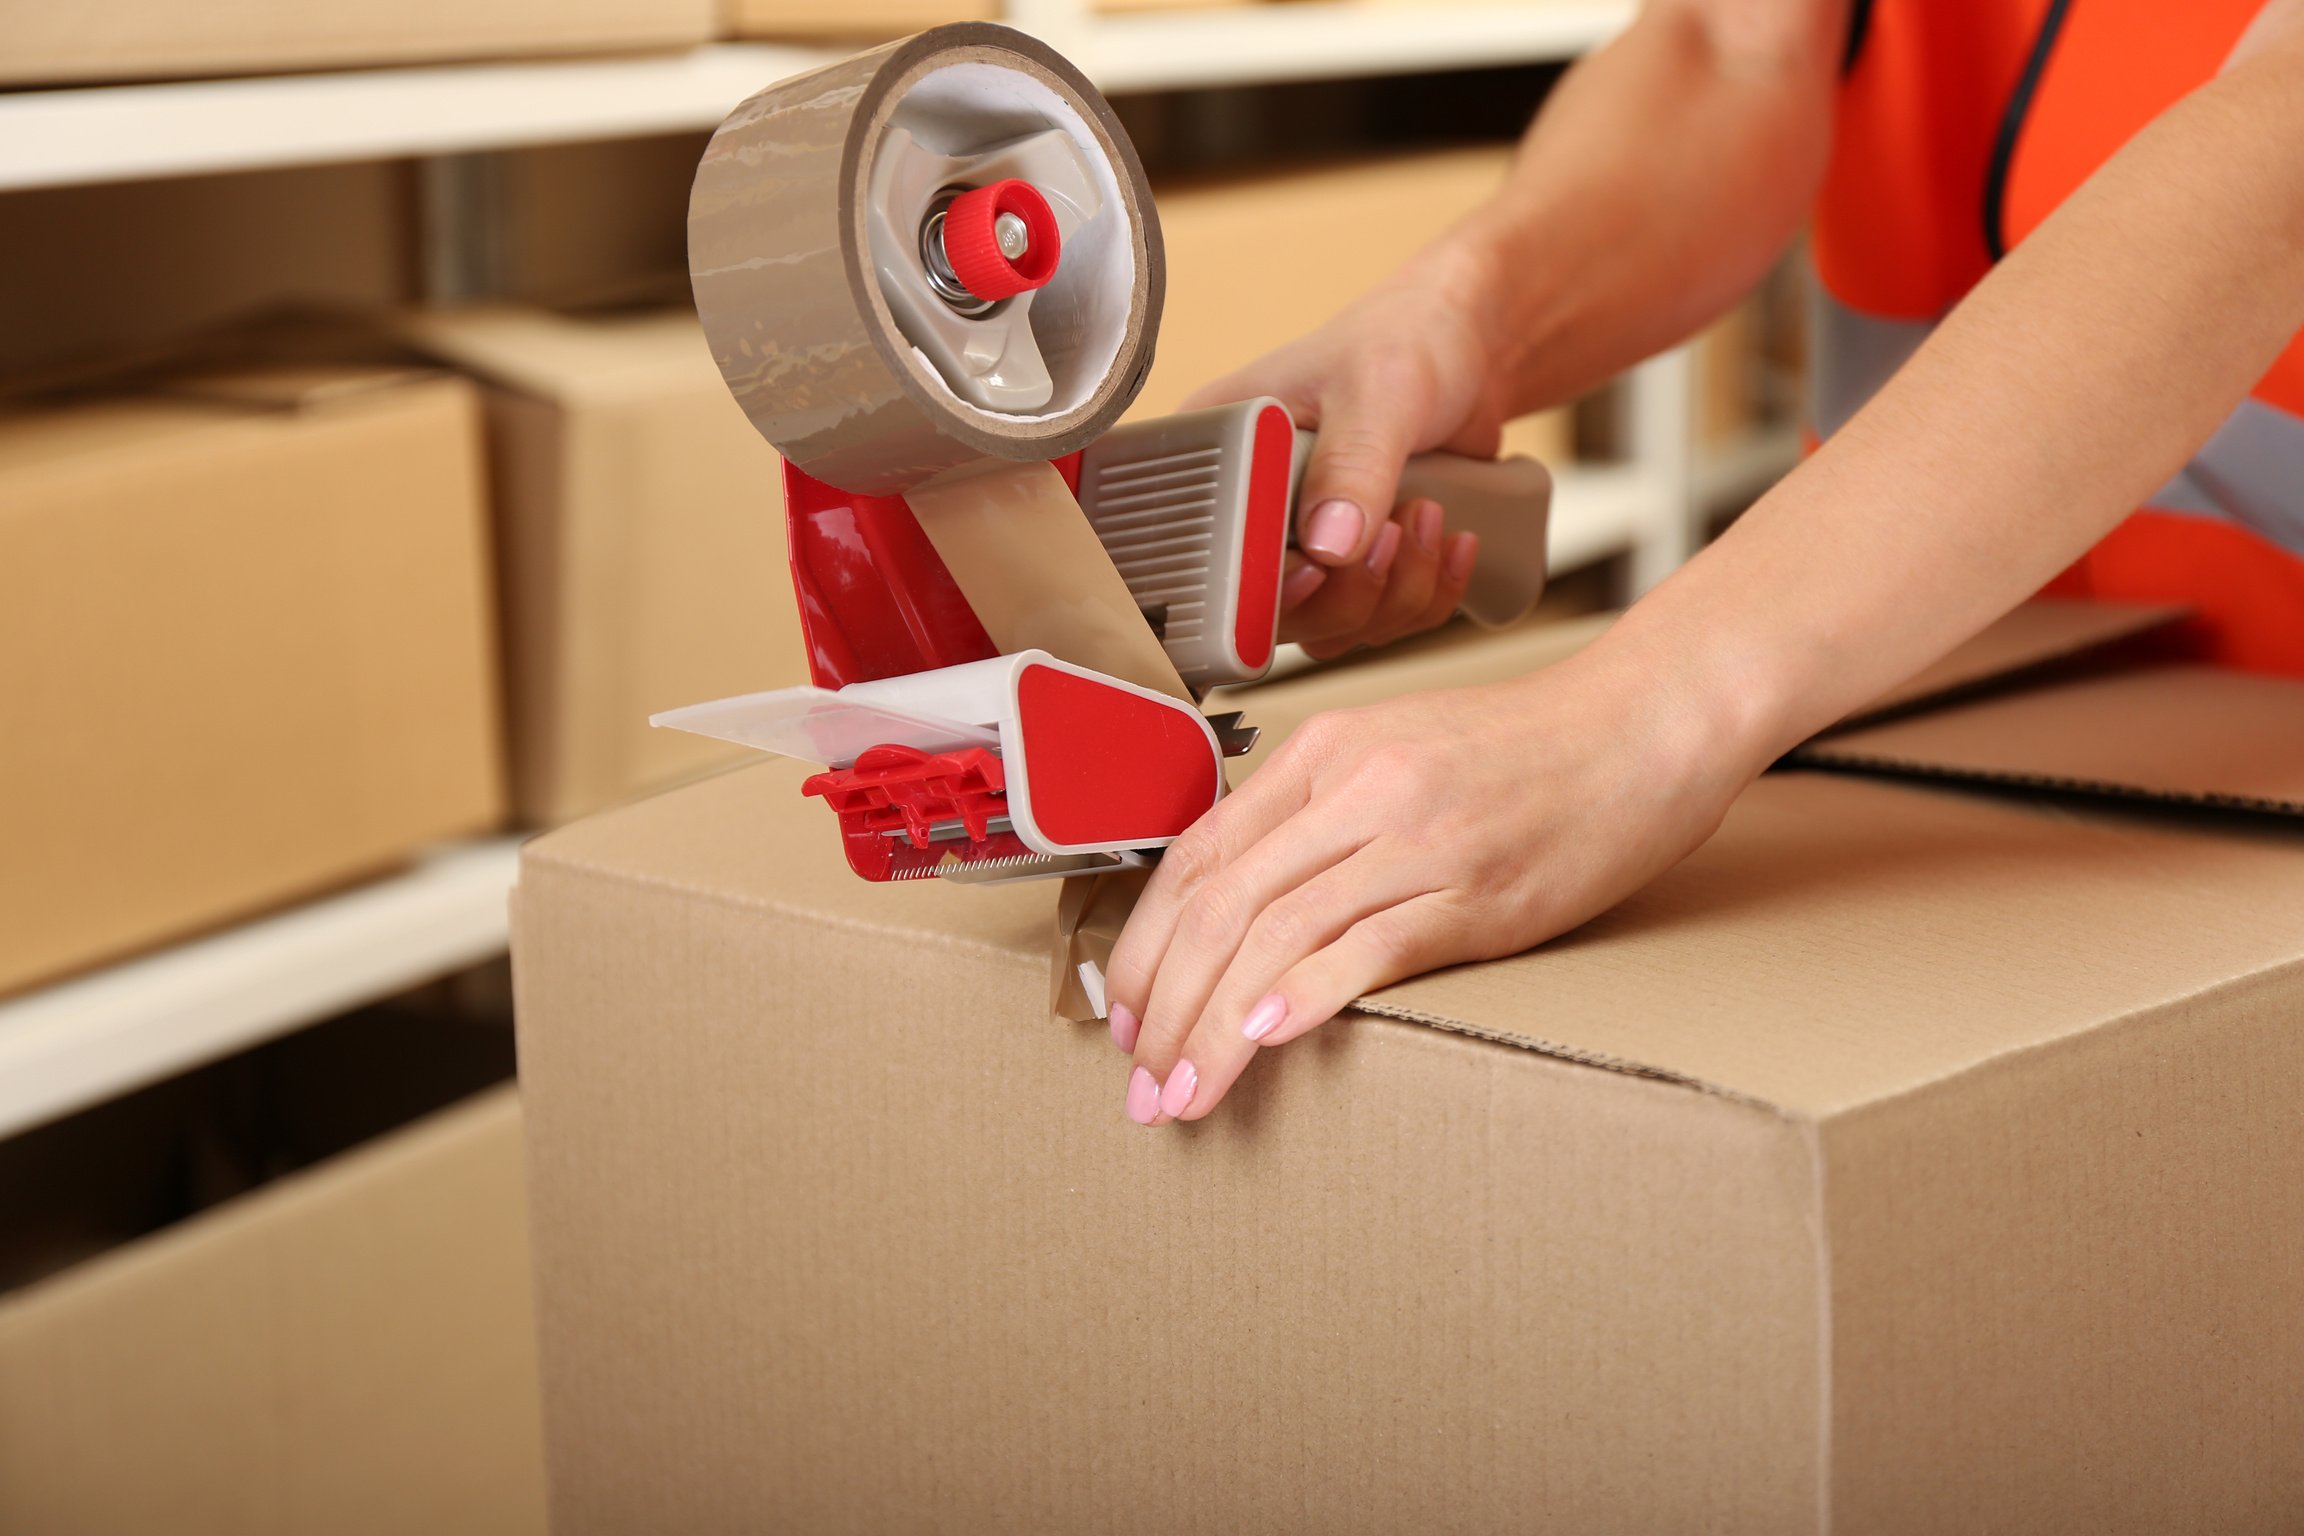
(1621, 1065)
(1826, 759)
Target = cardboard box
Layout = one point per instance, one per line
(1255, 261)
(83, 267)
(641, 539)
(249, 651)
(349, 1350)
(1903, 1161)
(141, 39)
(872, 19)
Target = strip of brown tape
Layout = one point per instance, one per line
(1031, 566)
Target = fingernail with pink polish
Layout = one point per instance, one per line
(1124, 1027)
(1334, 529)
(1143, 1097)
(1462, 551)
(1265, 1017)
(1428, 527)
(1301, 584)
(1176, 1097)
(1387, 546)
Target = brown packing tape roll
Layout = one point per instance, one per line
(780, 256)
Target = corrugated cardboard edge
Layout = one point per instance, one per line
(1624, 1066)
(2007, 653)
(1824, 760)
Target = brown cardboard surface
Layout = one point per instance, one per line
(856, 19)
(135, 39)
(851, 1238)
(1920, 1181)
(1256, 260)
(2189, 734)
(1840, 943)
(2031, 635)
(350, 1350)
(308, 235)
(641, 536)
(250, 656)
(892, 18)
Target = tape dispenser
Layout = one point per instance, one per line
(932, 276)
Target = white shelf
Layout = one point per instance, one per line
(182, 128)
(87, 134)
(89, 1039)
(1599, 513)
(1741, 472)
(1327, 39)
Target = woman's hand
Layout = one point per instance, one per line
(1403, 370)
(1382, 842)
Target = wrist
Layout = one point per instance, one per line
(1716, 705)
(1469, 271)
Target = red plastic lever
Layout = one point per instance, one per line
(972, 240)
(892, 788)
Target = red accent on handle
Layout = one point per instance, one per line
(973, 247)
(1264, 534)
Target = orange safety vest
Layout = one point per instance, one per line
(1961, 125)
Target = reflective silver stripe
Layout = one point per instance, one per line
(2251, 472)
(1854, 353)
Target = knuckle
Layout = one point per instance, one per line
(1190, 863)
(1288, 929)
(1391, 943)
(1214, 916)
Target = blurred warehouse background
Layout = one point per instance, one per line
(364, 486)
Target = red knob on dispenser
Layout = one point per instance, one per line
(1001, 240)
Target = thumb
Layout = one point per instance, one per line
(1351, 480)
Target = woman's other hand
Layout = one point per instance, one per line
(1382, 842)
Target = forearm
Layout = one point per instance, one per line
(2075, 379)
(1662, 178)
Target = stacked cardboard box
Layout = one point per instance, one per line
(865, 19)
(250, 650)
(1257, 260)
(641, 534)
(1903, 1161)
(348, 1350)
(139, 39)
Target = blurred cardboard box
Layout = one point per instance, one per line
(144, 39)
(308, 236)
(249, 650)
(348, 1350)
(1904, 1161)
(871, 19)
(640, 534)
(1257, 260)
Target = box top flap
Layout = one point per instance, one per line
(101, 430)
(290, 386)
(2032, 636)
(2185, 735)
(1839, 941)
(2028, 637)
